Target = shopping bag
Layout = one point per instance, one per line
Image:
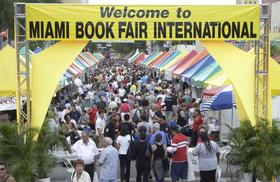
(218, 174)
(95, 178)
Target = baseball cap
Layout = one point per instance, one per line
(156, 126)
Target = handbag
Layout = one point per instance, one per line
(218, 174)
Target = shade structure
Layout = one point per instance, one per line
(8, 71)
(217, 80)
(131, 58)
(168, 59)
(150, 57)
(174, 61)
(198, 66)
(129, 55)
(220, 101)
(158, 59)
(98, 56)
(179, 69)
(239, 67)
(182, 61)
(199, 78)
(274, 70)
(48, 68)
(140, 57)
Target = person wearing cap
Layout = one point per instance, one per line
(179, 148)
(3, 173)
(156, 129)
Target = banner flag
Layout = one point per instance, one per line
(147, 22)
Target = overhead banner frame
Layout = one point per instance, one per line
(239, 22)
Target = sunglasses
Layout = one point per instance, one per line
(2, 169)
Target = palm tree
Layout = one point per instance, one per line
(18, 150)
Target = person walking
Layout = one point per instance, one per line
(108, 162)
(208, 153)
(179, 148)
(86, 150)
(143, 161)
(159, 154)
(122, 144)
(198, 121)
(79, 174)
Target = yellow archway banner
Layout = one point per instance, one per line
(8, 71)
(47, 68)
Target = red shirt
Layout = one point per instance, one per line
(180, 142)
(125, 108)
(92, 115)
(197, 123)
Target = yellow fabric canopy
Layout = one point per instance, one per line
(217, 80)
(239, 66)
(274, 70)
(8, 71)
(48, 67)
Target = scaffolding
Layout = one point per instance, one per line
(261, 66)
(23, 67)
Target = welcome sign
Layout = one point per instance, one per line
(97, 22)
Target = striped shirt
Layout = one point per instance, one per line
(179, 144)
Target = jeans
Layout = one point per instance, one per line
(125, 167)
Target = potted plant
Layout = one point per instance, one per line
(267, 143)
(243, 146)
(47, 140)
(28, 159)
(18, 149)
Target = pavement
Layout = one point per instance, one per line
(59, 173)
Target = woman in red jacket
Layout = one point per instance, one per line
(198, 121)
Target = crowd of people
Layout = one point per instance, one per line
(133, 114)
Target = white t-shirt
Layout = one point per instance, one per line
(124, 142)
(121, 92)
(101, 124)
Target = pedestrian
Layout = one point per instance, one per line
(108, 162)
(179, 148)
(198, 121)
(79, 174)
(159, 154)
(4, 176)
(143, 161)
(100, 125)
(122, 144)
(86, 150)
(208, 153)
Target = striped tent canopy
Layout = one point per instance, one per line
(221, 98)
(179, 69)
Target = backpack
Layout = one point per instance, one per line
(131, 151)
(135, 117)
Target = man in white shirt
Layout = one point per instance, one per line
(100, 124)
(86, 150)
